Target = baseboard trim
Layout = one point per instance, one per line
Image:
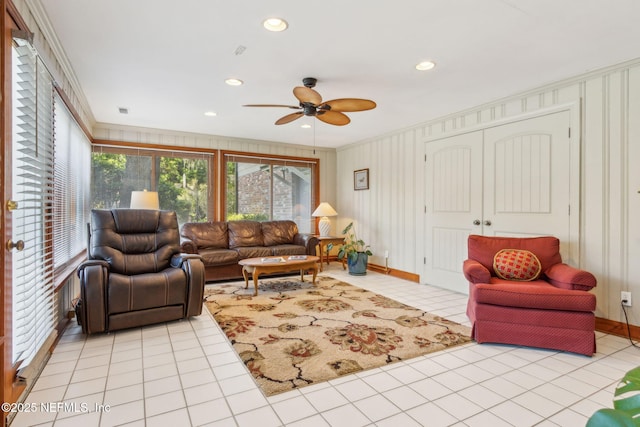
(617, 328)
(395, 273)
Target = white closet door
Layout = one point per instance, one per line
(527, 178)
(454, 203)
(508, 180)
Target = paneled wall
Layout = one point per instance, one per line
(390, 215)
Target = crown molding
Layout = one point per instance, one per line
(49, 36)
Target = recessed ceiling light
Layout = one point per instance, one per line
(233, 82)
(275, 24)
(425, 65)
(211, 114)
(306, 126)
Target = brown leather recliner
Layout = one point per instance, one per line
(135, 274)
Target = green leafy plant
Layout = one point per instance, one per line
(247, 217)
(626, 404)
(352, 244)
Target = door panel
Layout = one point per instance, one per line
(454, 195)
(527, 178)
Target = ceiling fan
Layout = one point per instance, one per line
(311, 104)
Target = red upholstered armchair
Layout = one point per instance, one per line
(551, 310)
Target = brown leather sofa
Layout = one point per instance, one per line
(222, 244)
(135, 274)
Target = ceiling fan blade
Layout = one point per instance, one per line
(333, 118)
(306, 94)
(272, 105)
(350, 104)
(289, 118)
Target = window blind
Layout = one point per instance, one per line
(32, 188)
(71, 201)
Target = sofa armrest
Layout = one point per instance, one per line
(567, 277)
(475, 272)
(309, 241)
(94, 275)
(188, 246)
(90, 263)
(194, 268)
(178, 259)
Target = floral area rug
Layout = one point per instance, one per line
(294, 334)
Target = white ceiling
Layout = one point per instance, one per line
(166, 60)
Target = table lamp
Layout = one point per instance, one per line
(144, 200)
(324, 210)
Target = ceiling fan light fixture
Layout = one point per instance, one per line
(275, 24)
(425, 66)
(311, 104)
(234, 82)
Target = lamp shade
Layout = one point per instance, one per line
(324, 210)
(144, 200)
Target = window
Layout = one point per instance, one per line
(262, 188)
(182, 180)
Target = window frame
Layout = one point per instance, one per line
(118, 147)
(270, 159)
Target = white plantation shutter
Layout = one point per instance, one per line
(32, 188)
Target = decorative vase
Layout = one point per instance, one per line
(358, 266)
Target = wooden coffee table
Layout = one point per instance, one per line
(276, 264)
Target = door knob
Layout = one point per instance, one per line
(476, 222)
(487, 223)
(19, 245)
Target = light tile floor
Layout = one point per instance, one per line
(186, 373)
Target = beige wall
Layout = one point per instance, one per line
(391, 214)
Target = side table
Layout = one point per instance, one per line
(323, 242)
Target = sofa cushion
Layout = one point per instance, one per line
(211, 257)
(516, 264)
(279, 250)
(206, 235)
(244, 234)
(535, 294)
(143, 291)
(278, 232)
(253, 252)
(134, 241)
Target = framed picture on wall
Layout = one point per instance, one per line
(361, 179)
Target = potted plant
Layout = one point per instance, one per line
(626, 404)
(355, 250)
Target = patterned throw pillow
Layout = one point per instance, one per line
(516, 264)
